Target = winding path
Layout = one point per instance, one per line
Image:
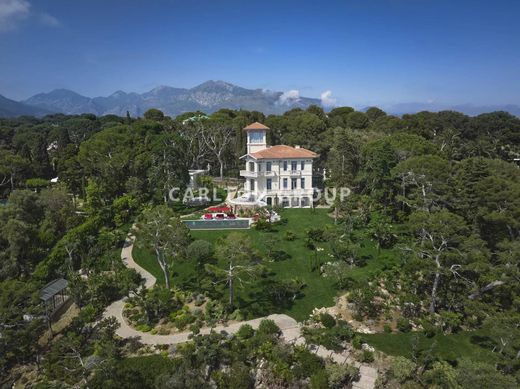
(289, 327)
(286, 323)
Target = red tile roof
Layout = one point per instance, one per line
(282, 151)
(256, 126)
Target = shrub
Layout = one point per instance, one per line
(200, 251)
(143, 328)
(402, 369)
(309, 244)
(263, 225)
(340, 376)
(280, 255)
(356, 342)
(268, 327)
(307, 363)
(403, 324)
(245, 332)
(316, 234)
(387, 328)
(367, 356)
(319, 380)
(429, 329)
(181, 319)
(289, 235)
(195, 328)
(327, 320)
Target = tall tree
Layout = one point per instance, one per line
(238, 254)
(440, 241)
(217, 138)
(12, 168)
(163, 232)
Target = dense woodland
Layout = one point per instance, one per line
(442, 189)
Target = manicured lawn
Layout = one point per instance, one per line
(318, 292)
(460, 345)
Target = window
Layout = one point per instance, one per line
(256, 137)
(294, 165)
(284, 165)
(251, 166)
(285, 183)
(268, 166)
(302, 183)
(295, 202)
(293, 183)
(259, 167)
(285, 202)
(302, 165)
(269, 184)
(251, 185)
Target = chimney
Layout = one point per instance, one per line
(296, 146)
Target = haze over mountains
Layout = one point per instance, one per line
(209, 96)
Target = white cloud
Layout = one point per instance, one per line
(49, 20)
(12, 12)
(289, 97)
(327, 100)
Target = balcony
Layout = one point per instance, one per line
(295, 173)
(251, 174)
(248, 174)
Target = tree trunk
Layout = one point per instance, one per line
(221, 163)
(231, 287)
(435, 285)
(164, 267)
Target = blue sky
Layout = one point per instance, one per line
(363, 51)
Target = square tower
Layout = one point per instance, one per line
(256, 137)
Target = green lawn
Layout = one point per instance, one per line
(460, 345)
(319, 291)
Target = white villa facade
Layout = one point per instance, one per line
(277, 175)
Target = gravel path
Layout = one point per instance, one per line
(289, 327)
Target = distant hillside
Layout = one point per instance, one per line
(208, 97)
(11, 108)
(468, 109)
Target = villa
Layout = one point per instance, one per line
(276, 175)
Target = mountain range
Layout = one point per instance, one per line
(208, 97)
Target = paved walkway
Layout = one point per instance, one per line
(289, 327)
(126, 331)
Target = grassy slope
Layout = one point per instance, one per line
(460, 345)
(319, 291)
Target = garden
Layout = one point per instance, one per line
(292, 255)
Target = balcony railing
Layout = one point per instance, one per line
(248, 173)
(251, 174)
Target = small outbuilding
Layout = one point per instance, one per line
(54, 295)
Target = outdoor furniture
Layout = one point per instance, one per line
(220, 216)
(208, 216)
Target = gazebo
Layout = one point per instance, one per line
(53, 295)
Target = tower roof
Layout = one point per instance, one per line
(256, 126)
